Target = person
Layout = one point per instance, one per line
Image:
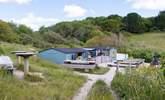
(155, 60)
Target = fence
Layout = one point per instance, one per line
(103, 59)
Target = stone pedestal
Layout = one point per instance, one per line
(26, 65)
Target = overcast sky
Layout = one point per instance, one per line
(35, 13)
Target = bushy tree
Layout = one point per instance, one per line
(160, 21)
(25, 39)
(53, 38)
(6, 33)
(24, 29)
(134, 23)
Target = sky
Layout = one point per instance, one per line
(36, 13)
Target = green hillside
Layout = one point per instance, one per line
(147, 40)
(84, 32)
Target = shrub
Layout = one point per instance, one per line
(140, 84)
(146, 54)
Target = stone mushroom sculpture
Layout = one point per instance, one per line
(18, 58)
(26, 56)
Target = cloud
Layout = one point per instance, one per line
(148, 4)
(74, 10)
(92, 11)
(35, 22)
(16, 1)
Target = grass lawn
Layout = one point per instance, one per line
(147, 40)
(58, 83)
(100, 91)
(97, 70)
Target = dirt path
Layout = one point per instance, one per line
(19, 74)
(84, 90)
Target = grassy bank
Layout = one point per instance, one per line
(140, 84)
(100, 91)
(153, 41)
(58, 83)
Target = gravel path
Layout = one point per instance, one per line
(84, 90)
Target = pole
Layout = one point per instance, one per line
(17, 60)
(26, 65)
(117, 68)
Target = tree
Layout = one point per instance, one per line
(134, 23)
(160, 21)
(112, 25)
(24, 29)
(25, 39)
(53, 38)
(148, 24)
(116, 17)
(6, 33)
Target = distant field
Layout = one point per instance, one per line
(154, 41)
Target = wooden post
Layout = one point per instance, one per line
(26, 65)
(17, 60)
(130, 65)
(117, 68)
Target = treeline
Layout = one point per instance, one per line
(85, 32)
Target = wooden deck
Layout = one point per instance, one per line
(128, 63)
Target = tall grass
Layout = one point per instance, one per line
(58, 83)
(153, 41)
(140, 84)
(100, 91)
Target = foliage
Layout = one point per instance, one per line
(6, 33)
(105, 41)
(78, 33)
(146, 54)
(53, 37)
(159, 21)
(140, 84)
(134, 23)
(100, 91)
(25, 39)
